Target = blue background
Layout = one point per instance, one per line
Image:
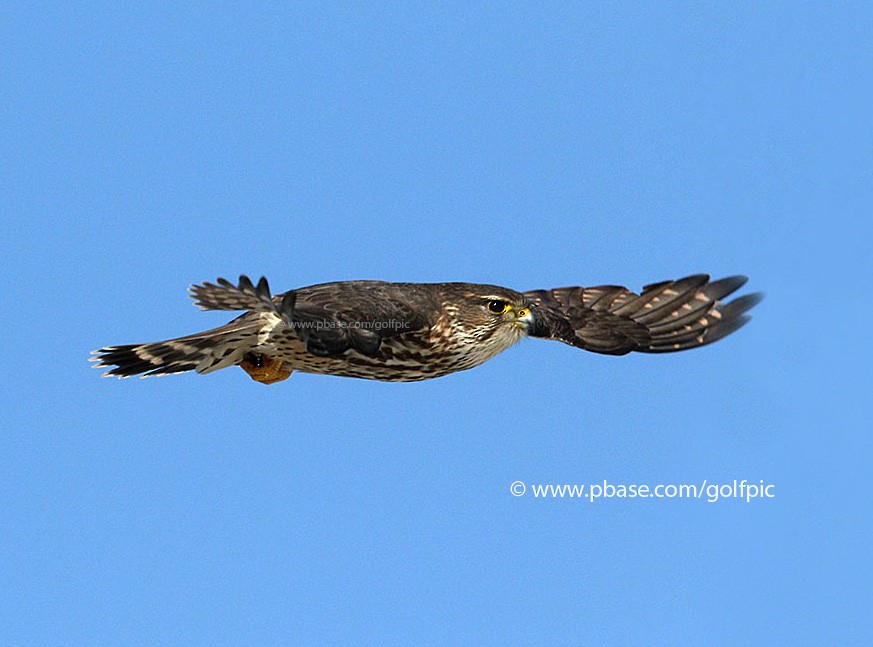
(524, 145)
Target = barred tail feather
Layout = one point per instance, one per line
(203, 352)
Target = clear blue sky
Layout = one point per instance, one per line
(530, 146)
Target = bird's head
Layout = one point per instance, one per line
(490, 314)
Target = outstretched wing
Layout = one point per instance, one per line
(331, 318)
(246, 296)
(665, 317)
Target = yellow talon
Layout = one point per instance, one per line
(263, 369)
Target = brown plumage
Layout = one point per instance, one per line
(415, 331)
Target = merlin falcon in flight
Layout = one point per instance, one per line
(404, 332)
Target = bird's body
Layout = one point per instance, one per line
(431, 347)
(404, 332)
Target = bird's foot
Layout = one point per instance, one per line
(264, 369)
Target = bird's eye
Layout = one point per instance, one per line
(497, 306)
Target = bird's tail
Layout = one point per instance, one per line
(203, 352)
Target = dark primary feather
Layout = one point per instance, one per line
(227, 296)
(664, 317)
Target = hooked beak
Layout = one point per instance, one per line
(524, 318)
